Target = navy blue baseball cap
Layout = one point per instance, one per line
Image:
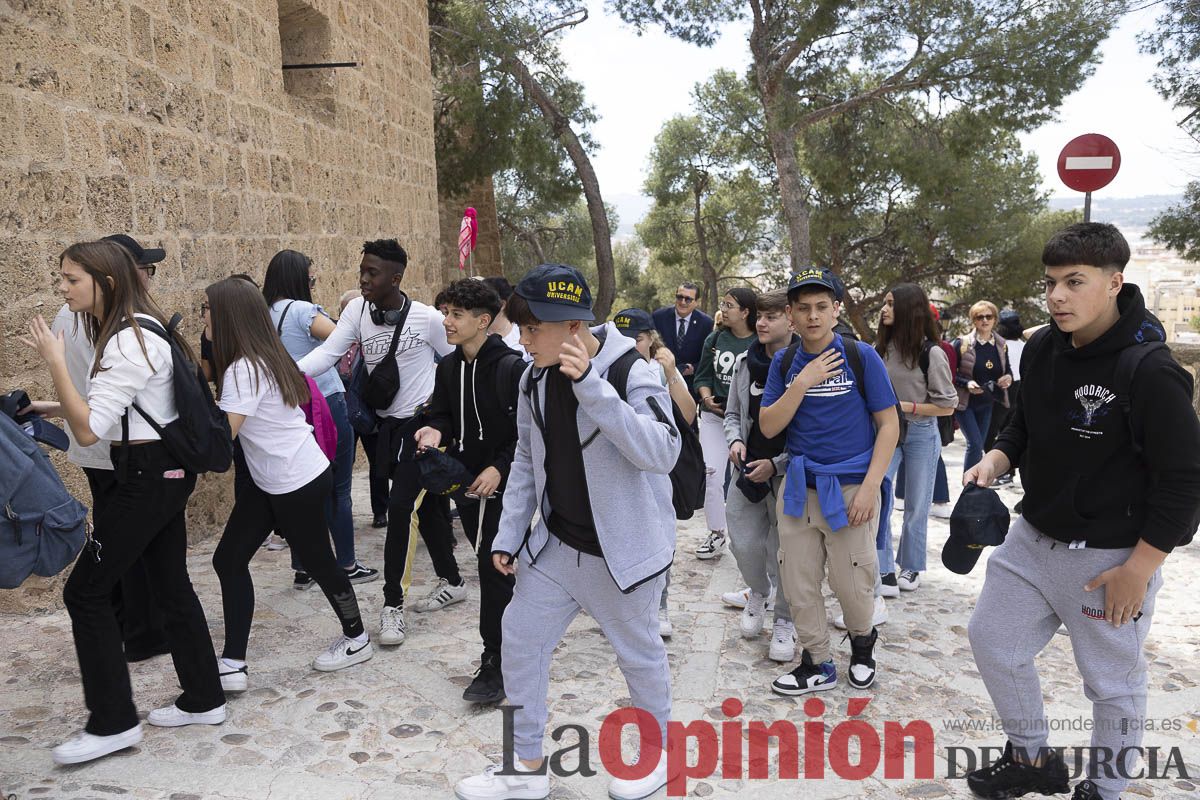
(979, 519)
(817, 276)
(633, 321)
(556, 293)
(141, 255)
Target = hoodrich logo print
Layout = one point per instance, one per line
(1095, 401)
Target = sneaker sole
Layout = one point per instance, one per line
(365, 579)
(205, 718)
(739, 603)
(483, 700)
(427, 609)
(889, 591)
(752, 634)
(357, 658)
(802, 691)
(908, 588)
(856, 685)
(641, 796)
(515, 794)
(1044, 788)
(122, 741)
(708, 556)
(234, 687)
(305, 587)
(388, 641)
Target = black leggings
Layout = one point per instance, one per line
(299, 516)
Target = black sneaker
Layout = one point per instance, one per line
(361, 574)
(302, 580)
(1087, 790)
(1009, 778)
(889, 586)
(380, 521)
(808, 677)
(488, 686)
(862, 660)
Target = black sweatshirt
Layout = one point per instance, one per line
(570, 517)
(1083, 480)
(474, 421)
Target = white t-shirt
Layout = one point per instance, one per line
(423, 335)
(80, 356)
(513, 340)
(281, 453)
(1015, 346)
(126, 377)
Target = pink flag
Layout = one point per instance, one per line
(468, 235)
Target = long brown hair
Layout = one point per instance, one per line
(242, 328)
(912, 324)
(122, 295)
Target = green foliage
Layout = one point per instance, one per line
(1179, 226)
(1176, 42)
(533, 232)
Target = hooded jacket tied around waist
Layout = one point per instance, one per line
(1083, 478)
(627, 456)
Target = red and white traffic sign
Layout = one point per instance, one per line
(1089, 162)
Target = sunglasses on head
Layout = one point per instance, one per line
(683, 298)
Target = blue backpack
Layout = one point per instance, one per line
(42, 527)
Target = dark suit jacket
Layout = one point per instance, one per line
(688, 351)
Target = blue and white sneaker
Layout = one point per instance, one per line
(808, 677)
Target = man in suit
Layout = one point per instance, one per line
(683, 329)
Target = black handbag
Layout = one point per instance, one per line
(380, 387)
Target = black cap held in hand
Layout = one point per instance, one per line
(979, 519)
(444, 475)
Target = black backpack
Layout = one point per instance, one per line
(199, 439)
(508, 372)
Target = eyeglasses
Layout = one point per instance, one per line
(727, 306)
(150, 269)
(683, 298)
(312, 281)
(985, 316)
(203, 307)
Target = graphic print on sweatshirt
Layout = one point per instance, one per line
(376, 347)
(1095, 403)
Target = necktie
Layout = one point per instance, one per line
(682, 329)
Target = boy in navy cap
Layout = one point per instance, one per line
(583, 554)
(838, 410)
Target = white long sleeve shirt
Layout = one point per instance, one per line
(128, 376)
(80, 356)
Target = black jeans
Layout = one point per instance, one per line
(143, 518)
(378, 486)
(299, 516)
(143, 625)
(402, 501)
(495, 588)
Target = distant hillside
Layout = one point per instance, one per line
(1132, 213)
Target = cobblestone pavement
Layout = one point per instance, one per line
(395, 727)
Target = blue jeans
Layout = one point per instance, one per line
(339, 512)
(974, 424)
(919, 454)
(941, 486)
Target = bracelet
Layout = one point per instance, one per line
(674, 379)
(914, 411)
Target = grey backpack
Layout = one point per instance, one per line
(42, 527)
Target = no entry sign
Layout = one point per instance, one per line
(1089, 162)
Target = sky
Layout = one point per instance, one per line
(638, 82)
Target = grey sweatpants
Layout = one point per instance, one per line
(754, 541)
(1034, 582)
(547, 597)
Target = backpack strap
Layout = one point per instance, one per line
(168, 336)
(923, 359)
(855, 360)
(279, 327)
(618, 372)
(508, 368)
(789, 355)
(1127, 365)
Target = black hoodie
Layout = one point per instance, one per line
(478, 427)
(1083, 480)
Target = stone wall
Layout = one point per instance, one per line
(173, 120)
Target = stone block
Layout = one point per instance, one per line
(104, 23)
(12, 142)
(141, 33)
(51, 13)
(197, 209)
(225, 212)
(45, 131)
(281, 175)
(110, 203)
(128, 146)
(174, 156)
(146, 93)
(85, 142)
(171, 53)
(185, 107)
(107, 85)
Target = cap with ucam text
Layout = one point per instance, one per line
(556, 293)
(633, 321)
(816, 276)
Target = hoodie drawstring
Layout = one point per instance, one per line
(462, 390)
(475, 398)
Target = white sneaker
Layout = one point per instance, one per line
(345, 652)
(713, 546)
(443, 595)
(783, 642)
(908, 580)
(622, 789)
(940, 510)
(391, 626)
(173, 716)
(275, 542)
(753, 615)
(85, 746)
(492, 786)
(879, 617)
(233, 679)
(665, 628)
(738, 598)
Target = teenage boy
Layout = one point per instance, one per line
(606, 531)
(1111, 488)
(385, 322)
(754, 532)
(473, 409)
(830, 499)
(141, 619)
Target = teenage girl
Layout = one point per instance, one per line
(143, 514)
(261, 390)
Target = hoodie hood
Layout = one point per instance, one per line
(1135, 325)
(493, 348)
(613, 345)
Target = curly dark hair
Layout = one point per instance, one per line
(387, 250)
(473, 295)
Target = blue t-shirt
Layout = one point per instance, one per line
(833, 423)
(299, 341)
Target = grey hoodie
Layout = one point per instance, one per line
(627, 456)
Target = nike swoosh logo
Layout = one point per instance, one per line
(350, 652)
(756, 390)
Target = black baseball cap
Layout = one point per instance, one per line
(141, 255)
(817, 276)
(979, 520)
(556, 293)
(633, 321)
(443, 475)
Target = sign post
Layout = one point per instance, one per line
(1088, 163)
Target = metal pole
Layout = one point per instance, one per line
(1087, 207)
